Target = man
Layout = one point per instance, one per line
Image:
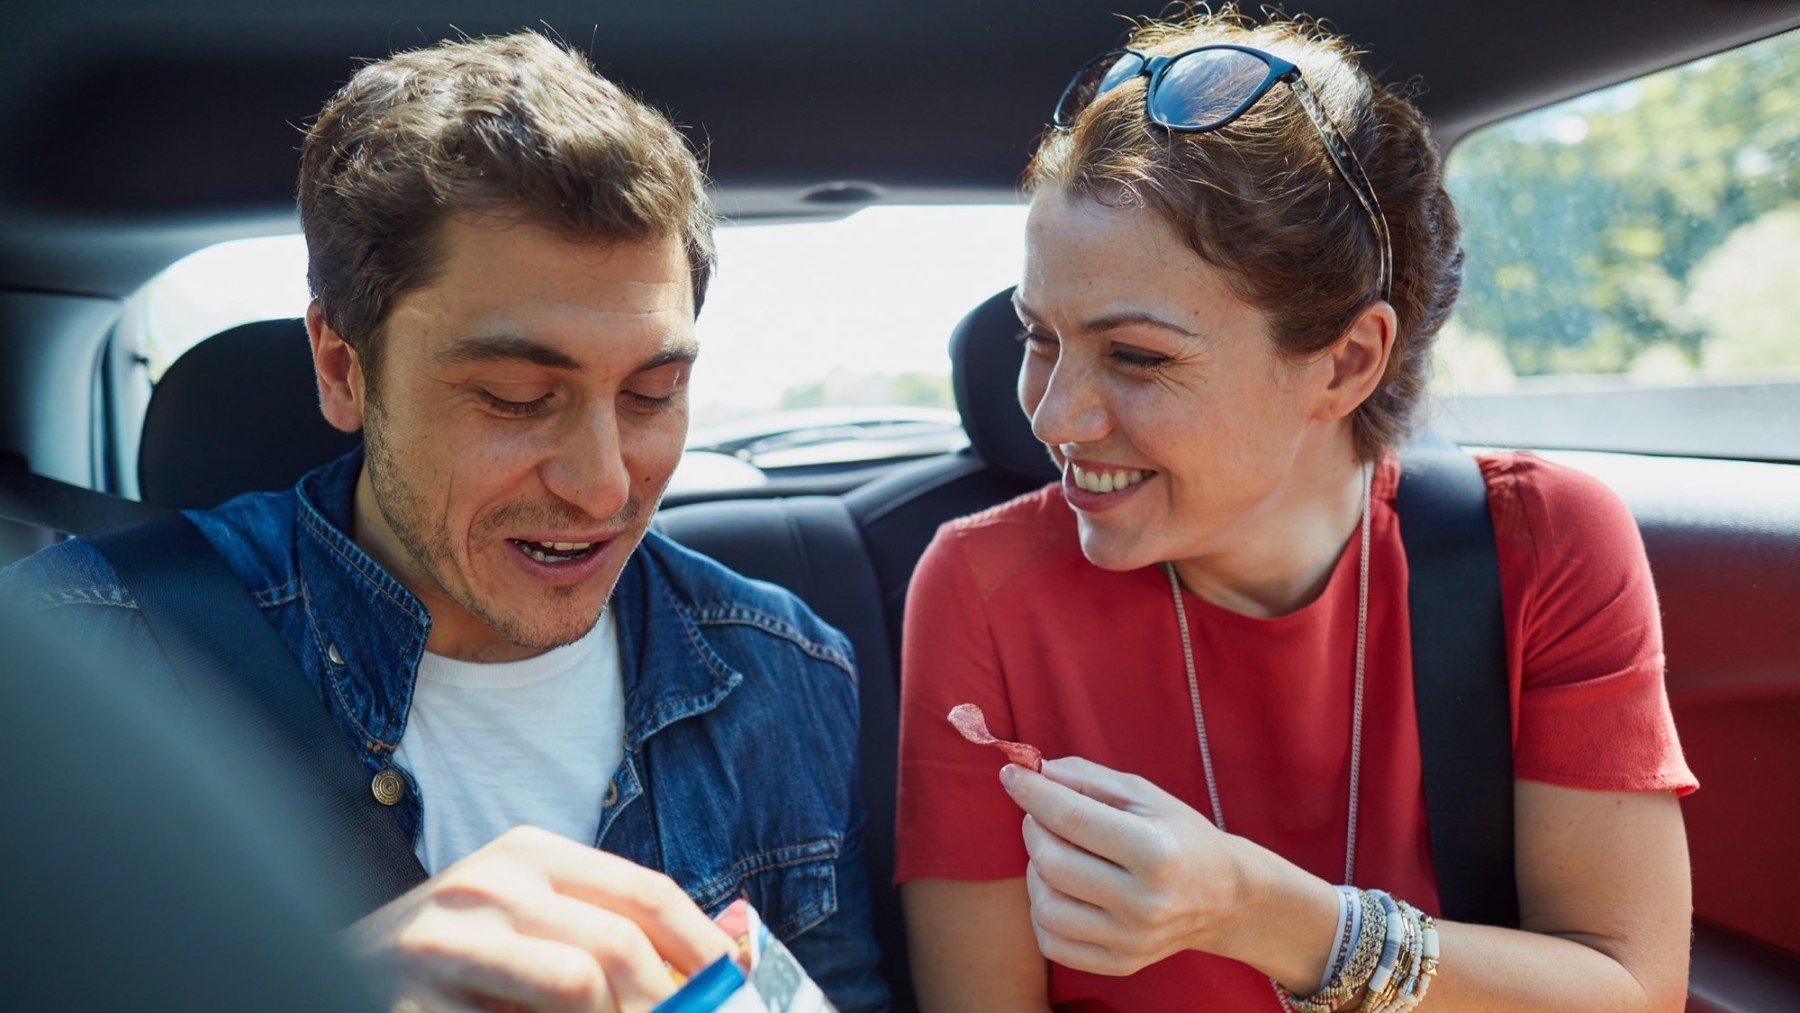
(506, 257)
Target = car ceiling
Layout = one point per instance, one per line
(137, 132)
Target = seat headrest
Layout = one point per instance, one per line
(985, 354)
(239, 412)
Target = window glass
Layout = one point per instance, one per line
(1636, 251)
(851, 312)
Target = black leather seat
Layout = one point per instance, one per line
(239, 412)
(851, 558)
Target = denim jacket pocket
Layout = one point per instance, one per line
(793, 888)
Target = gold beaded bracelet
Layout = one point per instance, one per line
(1415, 964)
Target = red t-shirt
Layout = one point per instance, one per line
(1006, 613)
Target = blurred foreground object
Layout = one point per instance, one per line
(142, 867)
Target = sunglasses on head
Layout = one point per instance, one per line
(1206, 88)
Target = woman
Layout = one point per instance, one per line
(1227, 315)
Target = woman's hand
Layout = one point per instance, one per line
(1123, 874)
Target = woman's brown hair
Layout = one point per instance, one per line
(1260, 199)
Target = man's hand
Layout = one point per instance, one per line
(538, 922)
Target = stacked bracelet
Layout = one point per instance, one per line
(1341, 938)
(1415, 965)
(1384, 948)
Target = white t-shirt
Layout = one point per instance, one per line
(494, 746)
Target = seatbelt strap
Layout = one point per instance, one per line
(232, 663)
(42, 502)
(1460, 681)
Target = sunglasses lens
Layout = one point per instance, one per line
(1206, 89)
(1095, 80)
(1118, 72)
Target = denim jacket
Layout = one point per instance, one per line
(732, 688)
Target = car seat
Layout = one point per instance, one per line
(851, 559)
(239, 412)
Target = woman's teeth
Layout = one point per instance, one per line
(1107, 481)
(555, 552)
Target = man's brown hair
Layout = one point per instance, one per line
(515, 126)
(1260, 199)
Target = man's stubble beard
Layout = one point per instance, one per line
(406, 509)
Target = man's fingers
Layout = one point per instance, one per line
(675, 926)
(635, 974)
(500, 966)
(420, 1003)
(1082, 821)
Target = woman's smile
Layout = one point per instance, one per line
(1092, 487)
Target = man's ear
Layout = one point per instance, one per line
(1359, 360)
(342, 389)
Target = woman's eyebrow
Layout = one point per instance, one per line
(1128, 318)
(1112, 321)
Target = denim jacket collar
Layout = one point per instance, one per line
(371, 630)
(670, 670)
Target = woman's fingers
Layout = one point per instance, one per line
(1078, 954)
(1071, 870)
(1066, 929)
(1119, 868)
(1082, 821)
(1120, 790)
(1062, 915)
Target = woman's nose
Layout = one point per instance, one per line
(1072, 409)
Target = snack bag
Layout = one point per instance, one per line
(764, 977)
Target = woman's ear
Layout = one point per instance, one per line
(339, 371)
(1359, 360)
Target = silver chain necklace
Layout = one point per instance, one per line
(1362, 626)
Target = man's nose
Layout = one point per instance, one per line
(588, 467)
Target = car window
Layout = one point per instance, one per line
(1629, 286)
(823, 344)
(1633, 274)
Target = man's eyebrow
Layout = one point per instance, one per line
(682, 354)
(505, 348)
(1113, 321)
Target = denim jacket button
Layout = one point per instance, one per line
(331, 652)
(612, 796)
(388, 786)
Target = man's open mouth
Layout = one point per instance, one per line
(556, 552)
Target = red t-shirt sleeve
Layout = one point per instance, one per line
(1592, 710)
(954, 819)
